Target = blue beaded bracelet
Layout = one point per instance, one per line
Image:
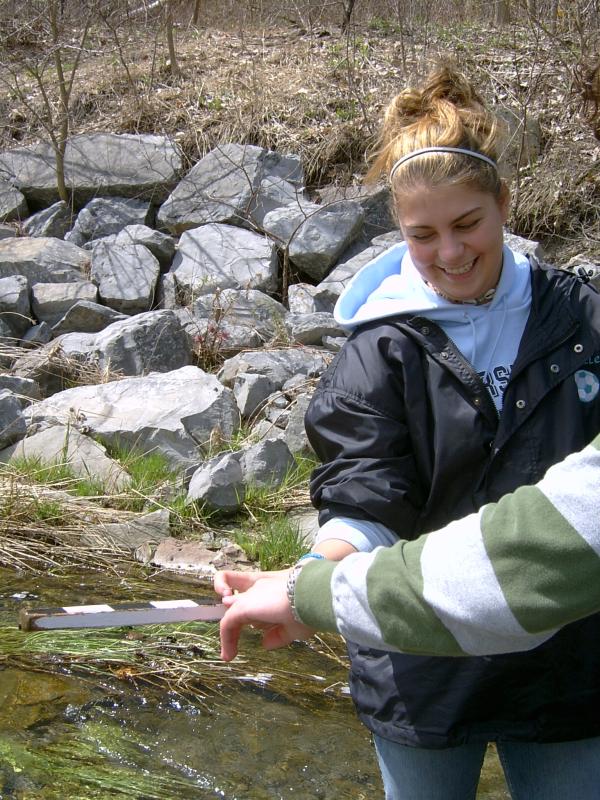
(310, 555)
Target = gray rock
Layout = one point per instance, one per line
(271, 194)
(251, 309)
(334, 343)
(7, 231)
(167, 292)
(219, 256)
(251, 391)
(278, 364)
(126, 276)
(266, 464)
(524, 246)
(122, 165)
(24, 389)
(150, 342)
(15, 309)
(219, 483)
(62, 444)
(39, 334)
(51, 301)
(375, 200)
(294, 434)
(173, 413)
(315, 235)
(104, 216)
(13, 425)
(161, 245)
(148, 529)
(223, 185)
(214, 341)
(13, 204)
(53, 221)
(311, 328)
(86, 316)
(43, 260)
(304, 298)
(197, 559)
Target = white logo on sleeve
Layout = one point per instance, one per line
(587, 384)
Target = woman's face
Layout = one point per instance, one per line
(455, 236)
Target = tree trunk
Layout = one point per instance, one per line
(348, 9)
(501, 12)
(196, 14)
(171, 39)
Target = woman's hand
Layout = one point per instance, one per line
(228, 581)
(262, 603)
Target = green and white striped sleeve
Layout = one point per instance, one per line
(499, 581)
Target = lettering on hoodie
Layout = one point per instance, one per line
(496, 380)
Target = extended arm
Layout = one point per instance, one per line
(502, 580)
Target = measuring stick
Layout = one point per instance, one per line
(156, 612)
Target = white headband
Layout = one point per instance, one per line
(472, 153)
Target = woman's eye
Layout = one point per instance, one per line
(465, 226)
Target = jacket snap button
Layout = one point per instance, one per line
(554, 368)
(520, 404)
(578, 348)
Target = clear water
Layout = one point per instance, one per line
(69, 735)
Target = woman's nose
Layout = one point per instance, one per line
(451, 249)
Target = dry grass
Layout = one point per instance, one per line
(322, 96)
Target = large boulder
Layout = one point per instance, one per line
(43, 260)
(175, 413)
(217, 256)
(53, 221)
(104, 216)
(223, 187)
(15, 308)
(315, 236)
(13, 205)
(108, 164)
(278, 364)
(150, 342)
(65, 445)
(126, 276)
(51, 301)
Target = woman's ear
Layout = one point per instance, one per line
(504, 201)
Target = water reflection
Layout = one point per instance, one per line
(69, 736)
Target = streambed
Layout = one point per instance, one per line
(272, 726)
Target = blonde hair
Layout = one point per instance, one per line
(446, 111)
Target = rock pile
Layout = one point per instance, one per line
(151, 278)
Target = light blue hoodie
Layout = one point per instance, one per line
(487, 335)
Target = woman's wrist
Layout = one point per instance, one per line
(293, 577)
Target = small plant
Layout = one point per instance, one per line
(274, 542)
(148, 471)
(210, 343)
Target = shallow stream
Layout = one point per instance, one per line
(280, 726)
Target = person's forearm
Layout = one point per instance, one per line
(499, 581)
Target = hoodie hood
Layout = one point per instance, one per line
(487, 335)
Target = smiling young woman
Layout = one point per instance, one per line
(462, 379)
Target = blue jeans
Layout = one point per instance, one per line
(555, 771)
